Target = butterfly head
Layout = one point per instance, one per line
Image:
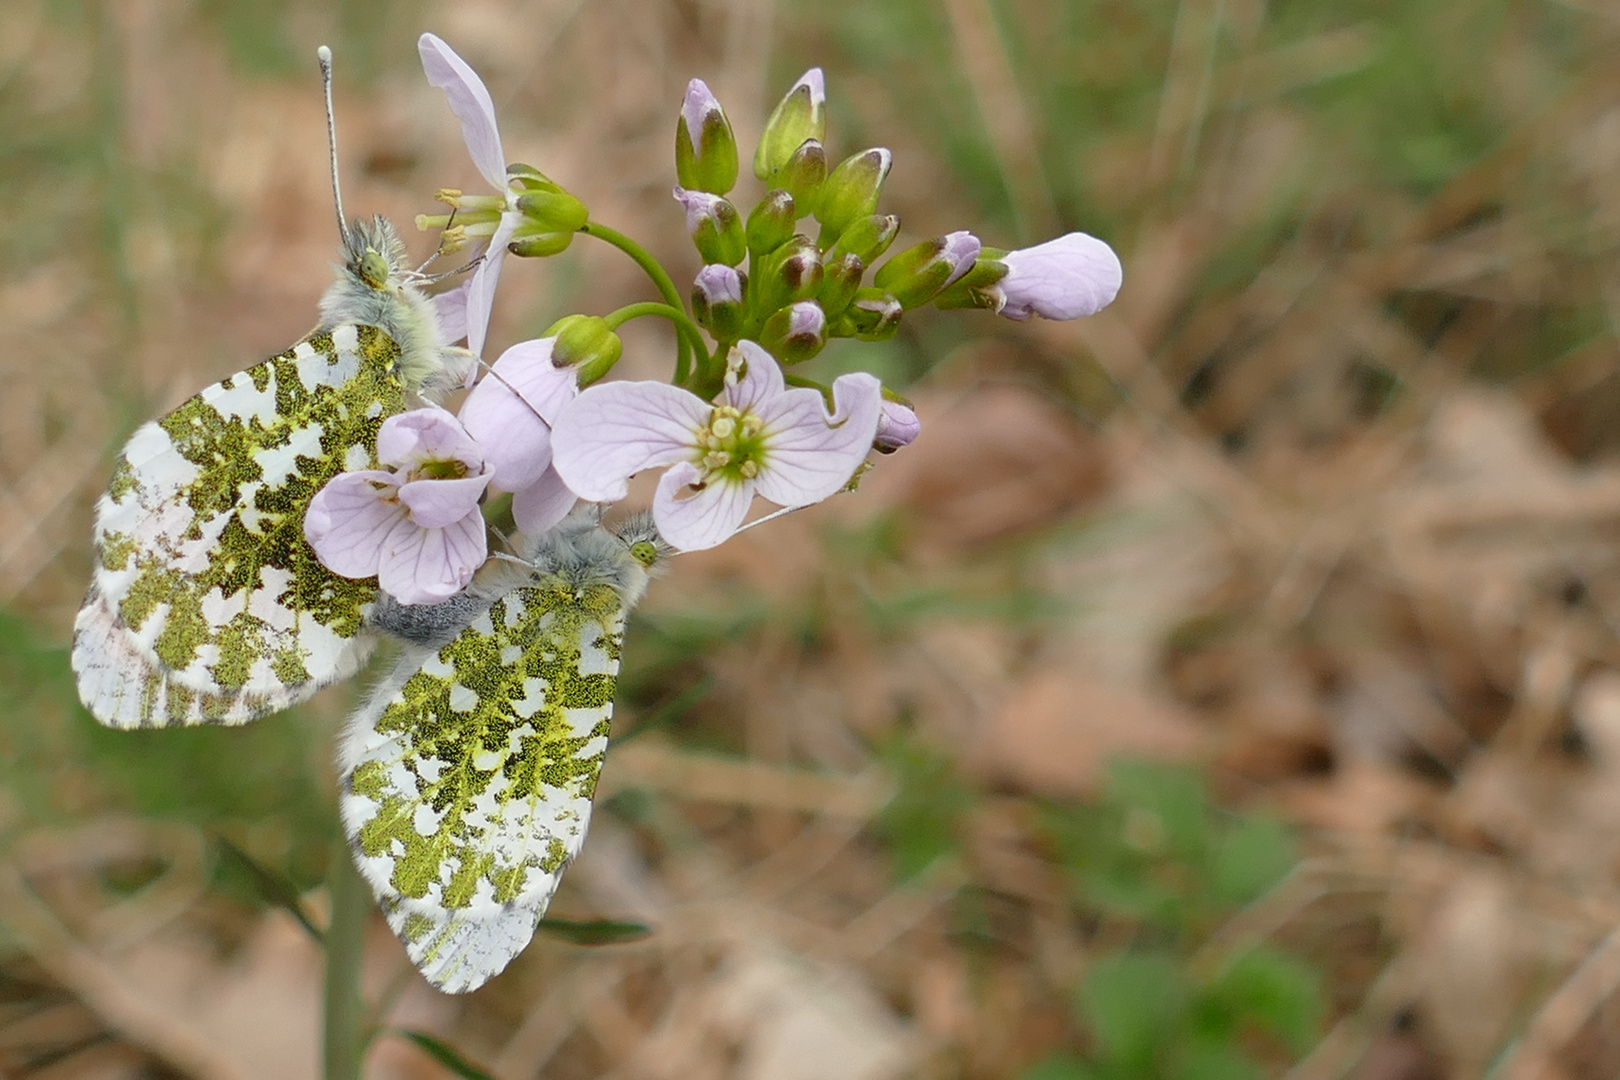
(373, 254)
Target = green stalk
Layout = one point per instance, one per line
(682, 321)
(687, 338)
(344, 1037)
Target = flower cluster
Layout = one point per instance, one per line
(542, 426)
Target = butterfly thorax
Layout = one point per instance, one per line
(376, 286)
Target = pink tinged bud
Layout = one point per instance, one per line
(796, 333)
(1066, 278)
(800, 115)
(803, 175)
(868, 237)
(841, 278)
(717, 301)
(897, 426)
(851, 190)
(915, 275)
(771, 222)
(705, 149)
(715, 226)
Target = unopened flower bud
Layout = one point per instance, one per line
(715, 225)
(869, 237)
(800, 115)
(915, 275)
(717, 301)
(851, 190)
(553, 211)
(841, 277)
(792, 272)
(705, 149)
(874, 315)
(540, 245)
(897, 424)
(1066, 278)
(796, 333)
(972, 289)
(586, 343)
(771, 222)
(803, 176)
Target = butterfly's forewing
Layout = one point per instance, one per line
(206, 604)
(469, 775)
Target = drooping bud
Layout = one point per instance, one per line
(803, 176)
(915, 275)
(869, 237)
(553, 211)
(841, 277)
(715, 225)
(796, 333)
(897, 424)
(705, 149)
(587, 343)
(551, 215)
(540, 245)
(792, 272)
(800, 115)
(874, 315)
(771, 222)
(717, 301)
(851, 190)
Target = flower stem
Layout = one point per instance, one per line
(687, 337)
(344, 1037)
(682, 321)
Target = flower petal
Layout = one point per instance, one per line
(705, 519)
(348, 519)
(471, 103)
(481, 289)
(614, 430)
(408, 439)
(435, 504)
(810, 455)
(1065, 278)
(542, 504)
(510, 409)
(426, 566)
(451, 308)
(760, 380)
(897, 426)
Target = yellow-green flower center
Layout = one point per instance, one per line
(450, 469)
(732, 445)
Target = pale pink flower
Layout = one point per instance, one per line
(1065, 278)
(757, 438)
(510, 413)
(897, 427)
(415, 524)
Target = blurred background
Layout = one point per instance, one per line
(1221, 687)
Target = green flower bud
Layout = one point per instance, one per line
(792, 272)
(851, 191)
(971, 289)
(915, 275)
(540, 245)
(796, 333)
(771, 222)
(587, 343)
(874, 315)
(717, 301)
(869, 237)
(800, 115)
(715, 225)
(705, 149)
(553, 211)
(803, 176)
(840, 280)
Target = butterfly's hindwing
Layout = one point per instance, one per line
(206, 603)
(469, 775)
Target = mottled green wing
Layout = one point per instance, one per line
(206, 603)
(468, 777)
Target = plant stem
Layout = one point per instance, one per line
(344, 1045)
(675, 315)
(687, 337)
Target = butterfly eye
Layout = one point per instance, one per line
(644, 552)
(373, 269)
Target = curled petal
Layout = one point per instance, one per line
(810, 455)
(451, 308)
(408, 439)
(348, 520)
(614, 430)
(897, 426)
(436, 504)
(471, 103)
(485, 276)
(1066, 278)
(426, 566)
(510, 410)
(760, 380)
(707, 517)
(542, 504)
(960, 249)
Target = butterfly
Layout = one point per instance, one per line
(467, 777)
(206, 604)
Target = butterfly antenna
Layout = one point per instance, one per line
(325, 56)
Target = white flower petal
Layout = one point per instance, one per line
(1066, 278)
(706, 518)
(510, 410)
(409, 438)
(435, 504)
(451, 308)
(760, 381)
(614, 430)
(485, 276)
(810, 455)
(426, 566)
(348, 519)
(471, 103)
(542, 504)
